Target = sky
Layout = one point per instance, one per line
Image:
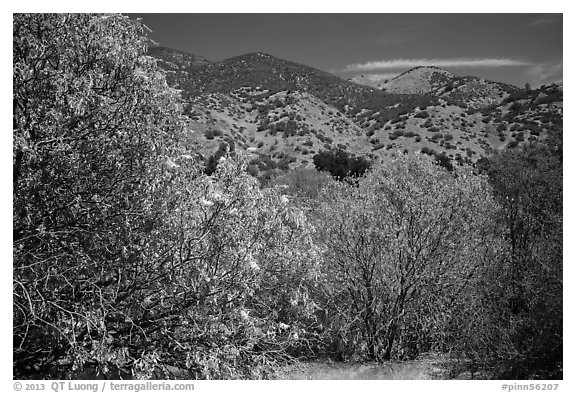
(511, 48)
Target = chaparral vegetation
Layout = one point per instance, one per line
(134, 257)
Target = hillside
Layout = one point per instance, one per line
(469, 91)
(286, 112)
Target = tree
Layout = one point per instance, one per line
(129, 260)
(340, 164)
(525, 292)
(400, 248)
(93, 123)
(229, 274)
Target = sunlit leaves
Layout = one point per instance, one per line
(92, 118)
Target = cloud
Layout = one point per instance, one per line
(546, 20)
(545, 73)
(409, 63)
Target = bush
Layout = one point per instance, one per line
(367, 227)
(516, 107)
(428, 151)
(395, 134)
(302, 182)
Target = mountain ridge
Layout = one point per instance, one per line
(286, 112)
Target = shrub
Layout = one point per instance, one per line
(395, 134)
(366, 228)
(516, 107)
(302, 182)
(428, 151)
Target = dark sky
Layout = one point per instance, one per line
(511, 48)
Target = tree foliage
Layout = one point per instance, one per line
(93, 118)
(400, 248)
(340, 164)
(522, 299)
(128, 259)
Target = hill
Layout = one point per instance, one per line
(469, 91)
(286, 112)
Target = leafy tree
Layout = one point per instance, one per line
(232, 269)
(340, 163)
(128, 259)
(400, 248)
(524, 294)
(93, 120)
(212, 162)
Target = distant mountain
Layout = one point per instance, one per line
(420, 80)
(470, 90)
(285, 112)
(374, 81)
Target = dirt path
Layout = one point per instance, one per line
(430, 367)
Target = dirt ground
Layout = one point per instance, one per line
(432, 366)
